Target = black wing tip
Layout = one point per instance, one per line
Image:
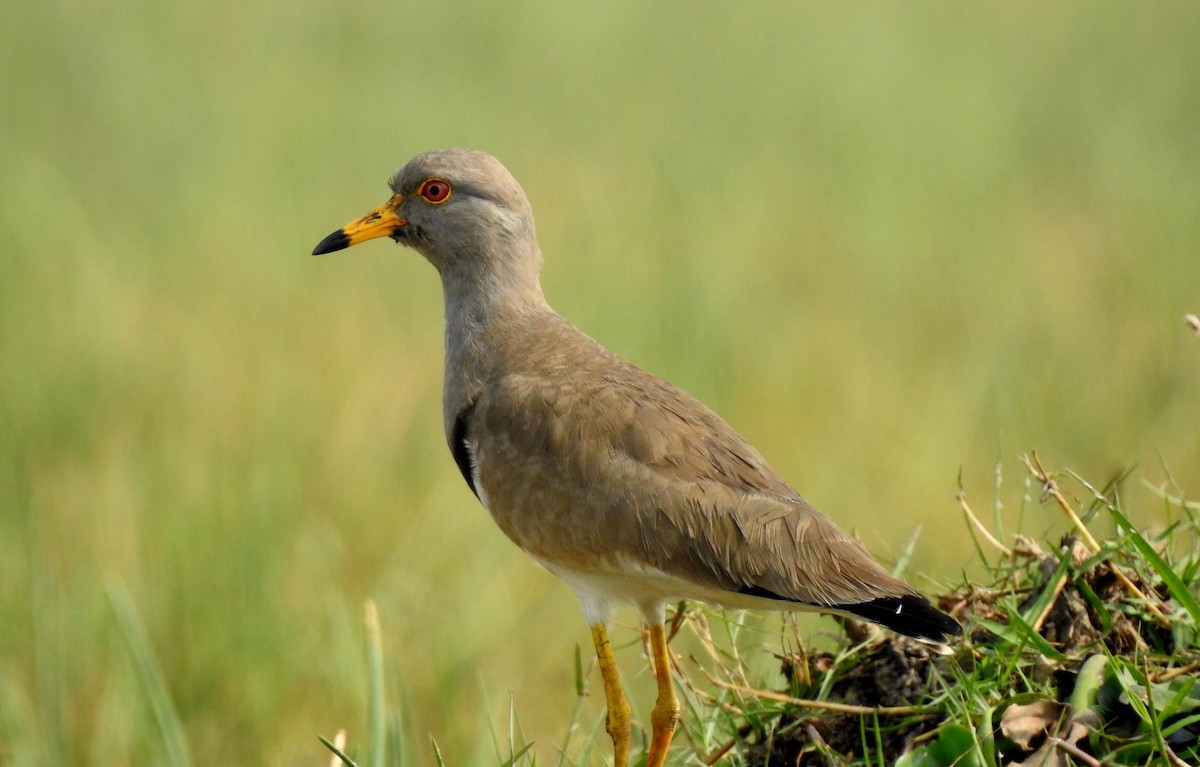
(338, 240)
(911, 615)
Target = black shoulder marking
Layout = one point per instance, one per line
(910, 614)
(458, 445)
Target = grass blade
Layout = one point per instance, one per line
(513, 759)
(150, 676)
(376, 713)
(1179, 590)
(396, 741)
(1021, 634)
(337, 752)
(580, 683)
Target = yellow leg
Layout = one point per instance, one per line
(666, 709)
(620, 718)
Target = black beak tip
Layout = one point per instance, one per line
(336, 241)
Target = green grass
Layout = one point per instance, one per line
(1077, 652)
(885, 243)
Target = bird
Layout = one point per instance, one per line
(623, 485)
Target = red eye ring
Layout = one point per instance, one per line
(434, 190)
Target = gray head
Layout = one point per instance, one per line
(460, 208)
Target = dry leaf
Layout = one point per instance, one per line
(1023, 723)
(1046, 756)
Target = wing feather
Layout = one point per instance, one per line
(622, 466)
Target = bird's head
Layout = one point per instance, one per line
(460, 208)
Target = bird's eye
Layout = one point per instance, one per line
(435, 190)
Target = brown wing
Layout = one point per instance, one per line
(620, 465)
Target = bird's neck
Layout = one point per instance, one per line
(488, 312)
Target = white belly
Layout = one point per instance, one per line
(649, 589)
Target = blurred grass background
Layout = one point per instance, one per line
(884, 241)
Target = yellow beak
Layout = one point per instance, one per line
(381, 222)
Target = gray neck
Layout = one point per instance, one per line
(488, 304)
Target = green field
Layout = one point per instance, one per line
(889, 243)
